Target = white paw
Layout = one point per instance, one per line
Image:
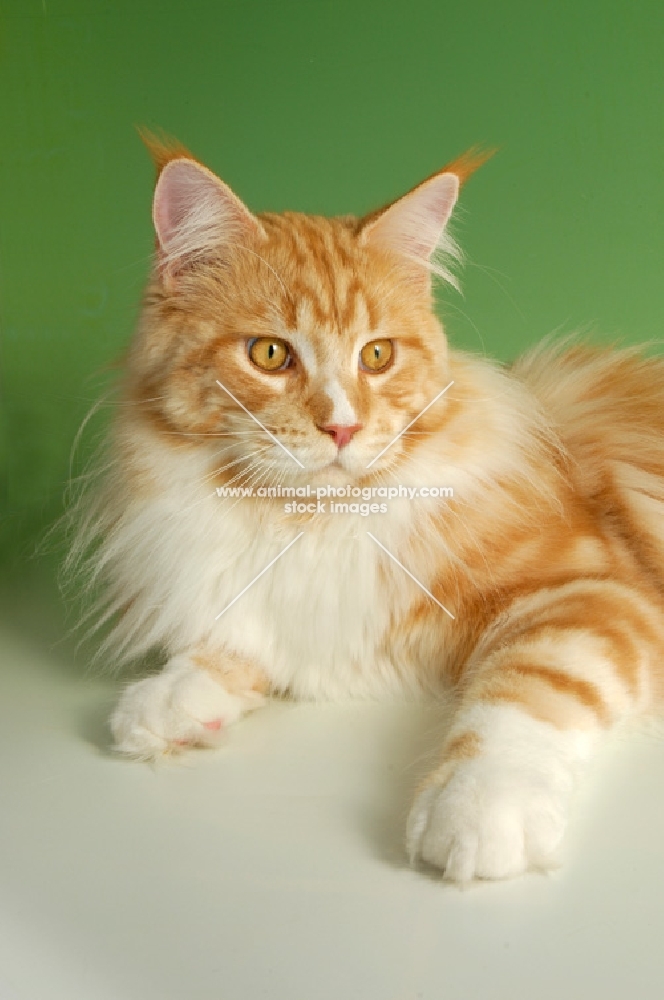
(489, 821)
(179, 707)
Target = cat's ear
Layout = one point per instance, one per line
(414, 226)
(195, 214)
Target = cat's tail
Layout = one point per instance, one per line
(607, 405)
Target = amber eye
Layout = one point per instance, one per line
(269, 353)
(376, 355)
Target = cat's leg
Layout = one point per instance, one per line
(533, 710)
(189, 703)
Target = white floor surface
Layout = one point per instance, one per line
(274, 868)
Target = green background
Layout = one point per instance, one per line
(322, 107)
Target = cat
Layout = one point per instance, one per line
(293, 351)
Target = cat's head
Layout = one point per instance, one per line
(321, 329)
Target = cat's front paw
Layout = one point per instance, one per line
(488, 821)
(180, 707)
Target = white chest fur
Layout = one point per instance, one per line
(316, 620)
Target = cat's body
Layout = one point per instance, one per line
(546, 559)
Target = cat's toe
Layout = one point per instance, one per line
(485, 825)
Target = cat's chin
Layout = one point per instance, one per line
(332, 474)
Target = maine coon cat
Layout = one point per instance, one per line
(288, 350)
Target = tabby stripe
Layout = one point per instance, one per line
(585, 691)
(510, 684)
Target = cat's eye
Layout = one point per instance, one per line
(269, 353)
(376, 355)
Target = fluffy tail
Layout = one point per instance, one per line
(607, 406)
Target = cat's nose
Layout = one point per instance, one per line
(342, 433)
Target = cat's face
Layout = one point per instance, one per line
(321, 328)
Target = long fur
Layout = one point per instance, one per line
(550, 553)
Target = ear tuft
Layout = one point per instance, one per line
(414, 225)
(163, 148)
(470, 161)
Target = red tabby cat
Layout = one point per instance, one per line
(297, 351)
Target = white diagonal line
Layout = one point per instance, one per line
(421, 413)
(420, 585)
(258, 577)
(269, 434)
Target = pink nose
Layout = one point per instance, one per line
(342, 433)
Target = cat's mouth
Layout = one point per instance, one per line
(337, 472)
(333, 466)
